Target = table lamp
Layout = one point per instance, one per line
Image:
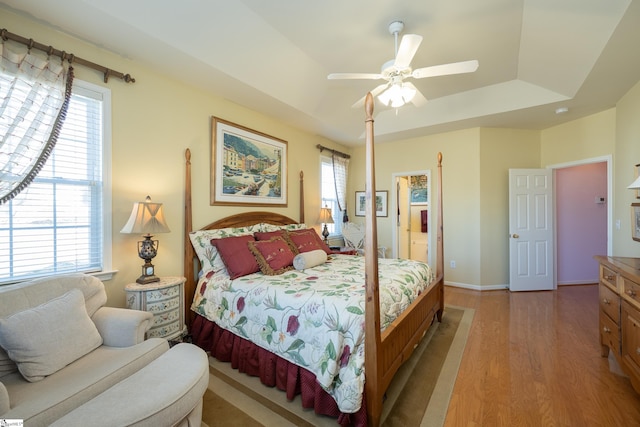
(635, 185)
(325, 218)
(147, 218)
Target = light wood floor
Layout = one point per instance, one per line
(533, 359)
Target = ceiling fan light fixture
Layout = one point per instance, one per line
(397, 95)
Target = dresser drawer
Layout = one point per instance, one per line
(631, 336)
(609, 303)
(162, 294)
(161, 306)
(165, 317)
(608, 277)
(163, 331)
(631, 290)
(609, 334)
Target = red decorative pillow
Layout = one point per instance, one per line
(274, 256)
(267, 235)
(308, 240)
(236, 255)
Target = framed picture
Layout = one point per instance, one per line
(635, 221)
(419, 196)
(637, 169)
(248, 168)
(418, 190)
(381, 203)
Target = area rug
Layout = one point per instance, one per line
(418, 396)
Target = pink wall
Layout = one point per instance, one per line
(581, 223)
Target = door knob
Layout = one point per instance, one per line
(515, 236)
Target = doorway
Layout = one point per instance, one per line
(569, 268)
(410, 207)
(583, 215)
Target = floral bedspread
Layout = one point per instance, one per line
(313, 318)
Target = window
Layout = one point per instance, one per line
(56, 225)
(329, 198)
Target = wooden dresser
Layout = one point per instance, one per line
(619, 291)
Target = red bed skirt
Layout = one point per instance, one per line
(272, 370)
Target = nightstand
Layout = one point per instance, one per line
(165, 300)
(344, 250)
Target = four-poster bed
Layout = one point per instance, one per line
(383, 352)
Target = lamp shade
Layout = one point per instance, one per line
(397, 95)
(325, 216)
(146, 218)
(635, 185)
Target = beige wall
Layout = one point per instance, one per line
(501, 150)
(153, 121)
(475, 186)
(461, 188)
(586, 138)
(157, 118)
(627, 154)
(612, 132)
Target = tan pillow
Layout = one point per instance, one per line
(46, 338)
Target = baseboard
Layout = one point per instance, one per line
(476, 287)
(502, 287)
(579, 282)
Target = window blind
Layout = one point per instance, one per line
(329, 198)
(56, 224)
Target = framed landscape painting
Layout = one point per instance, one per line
(248, 168)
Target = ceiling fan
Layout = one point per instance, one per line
(396, 91)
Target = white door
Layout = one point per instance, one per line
(531, 249)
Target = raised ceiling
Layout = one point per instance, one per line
(274, 56)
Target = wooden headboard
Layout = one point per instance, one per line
(191, 261)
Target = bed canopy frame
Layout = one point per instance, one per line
(384, 351)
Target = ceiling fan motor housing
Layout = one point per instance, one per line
(396, 27)
(389, 70)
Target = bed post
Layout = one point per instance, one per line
(440, 243)
(189, 253)
(373, 364)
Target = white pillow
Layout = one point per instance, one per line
(309, 259)
(46, 338)
(208, 255)
(288, 227)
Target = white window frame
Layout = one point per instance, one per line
(104, 94)
(335, 229)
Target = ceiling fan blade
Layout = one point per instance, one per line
(408, 48)
(370, 76)
(418, 99)
(375, 92)
(446, 69)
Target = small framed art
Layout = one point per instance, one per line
(635, 221)
(419, 192)
(637, 174)
(381, 203)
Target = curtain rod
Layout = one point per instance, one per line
(50, 50)
(321, 147)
